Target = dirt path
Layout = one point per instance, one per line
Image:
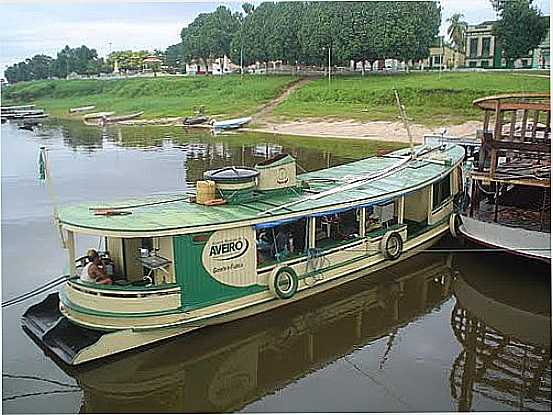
(265, 112)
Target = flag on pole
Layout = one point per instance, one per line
(42, 163)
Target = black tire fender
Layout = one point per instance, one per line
(454, 223)
(391, 245)
(283, 283)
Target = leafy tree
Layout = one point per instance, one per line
(210, 35)
(128, 59)
(456, 31)
(520, 29)
(174, 56)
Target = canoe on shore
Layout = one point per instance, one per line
(33, 116)
(95, 115)
(18, 114)
(17, 107)
(123, 117)
(82, 109)
(231, 124)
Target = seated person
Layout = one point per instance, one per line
(282, 240)
(94, 271)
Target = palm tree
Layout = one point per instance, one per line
(456, 31)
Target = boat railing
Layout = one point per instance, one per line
(521, 130)
(126, 291)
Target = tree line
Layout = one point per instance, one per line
(302, 32)
(81, 60)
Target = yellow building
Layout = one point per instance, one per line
(444, 56)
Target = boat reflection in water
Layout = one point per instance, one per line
(223, 368)
(503, 321)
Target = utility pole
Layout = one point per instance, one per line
(329, 66)
(441, 56)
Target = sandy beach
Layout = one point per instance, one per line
(371, 130)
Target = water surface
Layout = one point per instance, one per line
(439, 332)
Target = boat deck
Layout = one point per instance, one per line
(516, 217)
(174, 212)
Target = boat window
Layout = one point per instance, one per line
(380, 217)
(337, 228)
(441, 191)
(281, 241)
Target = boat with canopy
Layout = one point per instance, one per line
(248, 240)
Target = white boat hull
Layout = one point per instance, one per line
(515, 240)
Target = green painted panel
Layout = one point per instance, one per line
(198, 288)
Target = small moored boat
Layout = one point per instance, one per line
(125, 117)
(190, 121)
(82, 109)
(231, 124)
(17, 107)
(96, 115)
(249, 240)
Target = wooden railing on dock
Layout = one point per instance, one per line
(522, 130)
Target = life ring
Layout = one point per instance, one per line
(283, 283)
(391, 245)
(454, 223)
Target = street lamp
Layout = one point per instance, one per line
(328, 64)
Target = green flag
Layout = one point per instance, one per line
(42, 164)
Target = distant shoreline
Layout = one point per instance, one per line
(358, 107)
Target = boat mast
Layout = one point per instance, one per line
(405, 122)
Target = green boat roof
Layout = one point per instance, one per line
(174, 214)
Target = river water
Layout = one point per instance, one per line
(443, 331)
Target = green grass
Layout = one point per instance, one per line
(429, 98)
(160, 97)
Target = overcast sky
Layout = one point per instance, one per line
(30, 28)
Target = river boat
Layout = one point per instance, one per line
(82, 109)
(507, 199)
(247, 241)
(231, 124)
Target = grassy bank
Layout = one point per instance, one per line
(430, 99)
(160, 97)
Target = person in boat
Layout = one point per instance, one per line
(94, 271)
(282, 242)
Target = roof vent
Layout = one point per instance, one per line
(277, 173)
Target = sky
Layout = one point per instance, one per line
(29, 27)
